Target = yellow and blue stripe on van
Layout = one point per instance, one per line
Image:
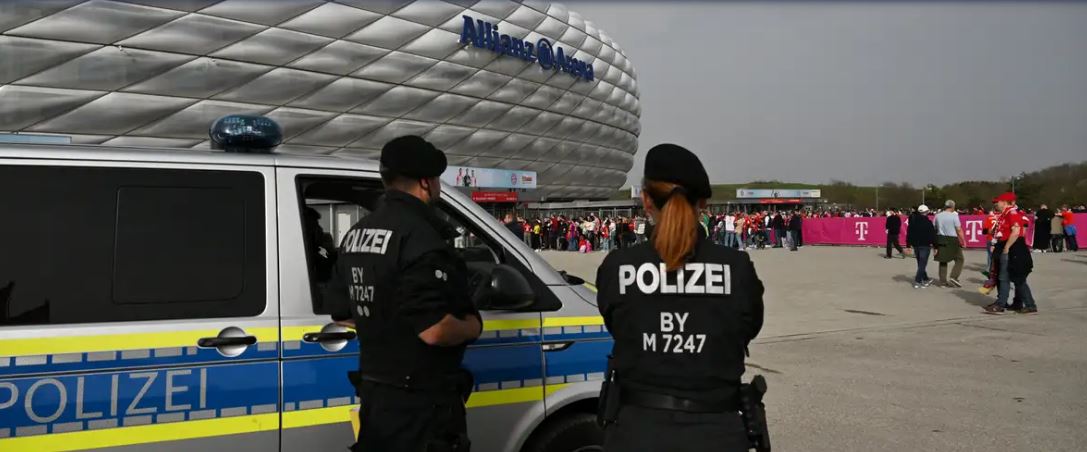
(87, 397)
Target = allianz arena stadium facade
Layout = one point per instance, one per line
(513, 85)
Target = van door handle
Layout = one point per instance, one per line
(328, 337)
(215, 342)
(557, 346)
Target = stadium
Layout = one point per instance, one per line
(550, 94)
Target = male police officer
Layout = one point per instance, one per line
(682, 311)
(407, 292)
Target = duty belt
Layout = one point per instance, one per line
(439, 382)
(460, 382)
(660, 401)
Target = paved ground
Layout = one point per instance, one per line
(858, 360)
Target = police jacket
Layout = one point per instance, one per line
(681, 333)
(397, 276)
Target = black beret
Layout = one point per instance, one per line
(672, 163)
(412, 156)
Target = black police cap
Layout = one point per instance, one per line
(672, 163)
(412, 156)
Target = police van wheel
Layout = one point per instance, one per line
(576, 432)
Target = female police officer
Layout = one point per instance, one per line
(682, 311)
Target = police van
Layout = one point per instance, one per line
(169, 300)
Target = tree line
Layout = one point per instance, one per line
(1055, 185)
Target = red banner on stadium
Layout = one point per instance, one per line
(779, 201)
(494, 196)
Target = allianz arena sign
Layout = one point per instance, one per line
(485, 35)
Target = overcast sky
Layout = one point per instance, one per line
(867, 92)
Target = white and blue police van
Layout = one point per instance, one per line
(168, 300)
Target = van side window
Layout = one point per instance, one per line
(477, 246)
(195, 232)
(90, 244)
(470, 242)
(330, 206)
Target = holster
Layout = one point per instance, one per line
(607, 410)
(753, 412)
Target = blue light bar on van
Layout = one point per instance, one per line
(245, 134)
(22, 138)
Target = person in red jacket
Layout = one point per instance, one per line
(1014, 261)
(1069, 223)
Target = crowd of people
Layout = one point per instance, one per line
(938, 235)
(1055, 231)
(757, 230)
(743, 231)
(835, 212)
(1008, 255)
(770, 229)
(583, 234)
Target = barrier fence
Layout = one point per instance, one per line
(864, 231)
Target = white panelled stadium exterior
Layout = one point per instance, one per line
(340, 77)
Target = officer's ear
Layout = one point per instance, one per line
(427, 185)
(435, 188)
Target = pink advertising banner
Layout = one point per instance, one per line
(870, 231)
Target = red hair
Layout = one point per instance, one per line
(676, 232)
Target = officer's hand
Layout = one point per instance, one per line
(350, 323)
(475, 322)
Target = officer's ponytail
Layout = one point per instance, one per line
(676, 232)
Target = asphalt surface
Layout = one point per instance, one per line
(858, 360)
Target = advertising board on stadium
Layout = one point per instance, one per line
(778, 193)
(494, 196)
(471, 177)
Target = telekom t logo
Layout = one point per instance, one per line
(861, 229)
(972, 230)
